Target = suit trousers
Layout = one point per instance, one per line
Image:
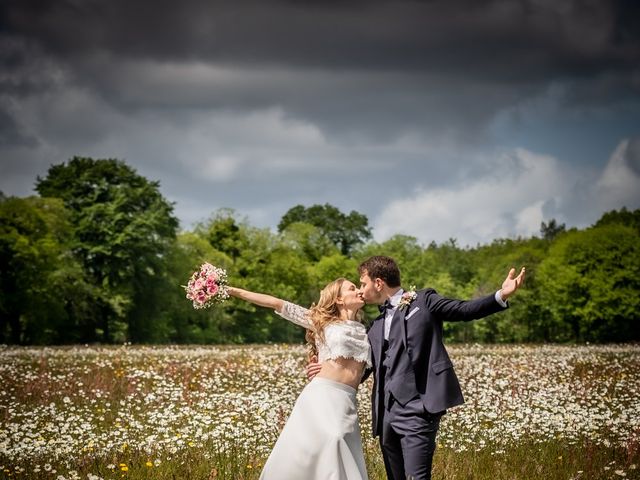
(408, 440)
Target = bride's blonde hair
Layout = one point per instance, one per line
(323, 313)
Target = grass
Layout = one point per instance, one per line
(532, 412)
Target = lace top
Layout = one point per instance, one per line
(343, 339)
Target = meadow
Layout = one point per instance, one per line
(193, 412)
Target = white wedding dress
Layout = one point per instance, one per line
(321, 439)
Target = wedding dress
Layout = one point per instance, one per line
(321, 439)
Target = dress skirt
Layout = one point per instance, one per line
(321, 439)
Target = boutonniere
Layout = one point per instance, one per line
(407, 297)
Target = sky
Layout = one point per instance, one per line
(472, 120)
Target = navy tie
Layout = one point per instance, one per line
(385, 306)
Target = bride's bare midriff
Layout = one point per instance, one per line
(342, 370)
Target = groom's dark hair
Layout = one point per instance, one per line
(384, 268)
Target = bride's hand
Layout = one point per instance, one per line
(313, 367)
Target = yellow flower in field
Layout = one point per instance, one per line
(149, 464)
(124, 469)
(249, 467)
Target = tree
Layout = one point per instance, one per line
(526, 319)
(590, 282)
(622, 217)
(345, 231)
(122, 230)
(332, 267)
(308, 240)
(262, 262)
(223, 233)
(551, 230)
(179, 322)
(37, 273)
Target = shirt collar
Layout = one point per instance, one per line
(395, 299)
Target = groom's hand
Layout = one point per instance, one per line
(313, 367)
(512, 283)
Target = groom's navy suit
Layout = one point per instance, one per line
(414, 381)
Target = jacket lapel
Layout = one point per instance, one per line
(403, 325)
(376, 337)
(398, 317)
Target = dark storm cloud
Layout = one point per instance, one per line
(367, 70)
(11, 133)
(486, 38)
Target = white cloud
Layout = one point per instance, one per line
(620, 184)
(519, 191)
(508, 201)
(221, 168)
(530, 218)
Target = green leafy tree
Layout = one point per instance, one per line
(345, 231)
(262, 262)
(524, 320)
(308, 240)
(407, 253)
(180, 322)
(621, 217)
(552, 229)
(224, 233)
(122, 229)
(334, 266)
(39, 298)
(590, 282)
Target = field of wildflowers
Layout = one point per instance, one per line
(547, 412)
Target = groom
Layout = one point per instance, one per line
(414, 382)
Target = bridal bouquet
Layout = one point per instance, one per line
(207, 286)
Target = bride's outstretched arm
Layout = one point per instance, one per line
(260, 299)
(289, 311)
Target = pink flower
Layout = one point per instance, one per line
(201, 297)
(212, 290)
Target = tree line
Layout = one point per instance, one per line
(97, 256)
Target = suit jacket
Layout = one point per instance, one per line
(421, 330)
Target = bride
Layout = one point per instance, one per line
(321, 439)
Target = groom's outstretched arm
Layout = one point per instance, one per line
(450, 309)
